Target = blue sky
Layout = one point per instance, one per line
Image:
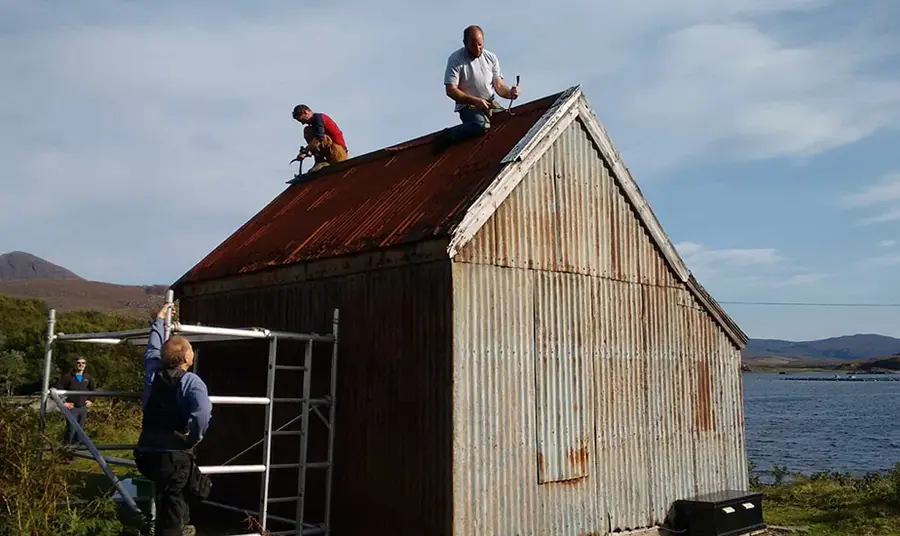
(136, 136)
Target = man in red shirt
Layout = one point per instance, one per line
(324, 140)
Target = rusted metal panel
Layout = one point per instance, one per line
(664, 383)
(563, 370)
(622, 436)
(393, 427)
(570, 215)
(386, 198)
(496, 487)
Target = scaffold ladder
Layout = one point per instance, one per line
(308, 405)
(200, 333)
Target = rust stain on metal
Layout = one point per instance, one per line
(578, 459)
(704, 412)
(573, 482)
(363, 204)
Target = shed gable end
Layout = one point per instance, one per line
(569, 215)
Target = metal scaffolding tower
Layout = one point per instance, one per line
(198, 334)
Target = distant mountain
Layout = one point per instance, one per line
(849, 347)
(24, 275)
(18, 265)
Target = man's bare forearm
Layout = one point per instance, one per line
(461, 97)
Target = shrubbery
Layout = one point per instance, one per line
(23, 327)
(34, 489)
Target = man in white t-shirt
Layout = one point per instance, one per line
(472, 76)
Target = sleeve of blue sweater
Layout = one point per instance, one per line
(195, 397)
(318, 124)
(152, 356)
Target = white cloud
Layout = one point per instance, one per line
(707, 258)
(881, 199)
(881, 261)
(738, 91)
(745, 268)
(887, 243)
(805, 279)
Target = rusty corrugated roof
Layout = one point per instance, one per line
(398, 195)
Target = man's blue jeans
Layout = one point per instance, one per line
(474, 123)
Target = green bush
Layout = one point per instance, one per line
(13, 370)
(34, 489)
(23, 328)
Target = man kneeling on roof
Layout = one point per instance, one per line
(470, 79)
(324, 140)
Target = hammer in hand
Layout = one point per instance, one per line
(509, 109)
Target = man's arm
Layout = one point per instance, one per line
(502, 89)
(199, 408)
(91, 386)
(464, 98)
(318, 124)
(63, 384)
(153, 352)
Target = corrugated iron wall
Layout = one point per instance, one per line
(393, 431)
(591, 389)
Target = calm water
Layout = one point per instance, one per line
(812, 426)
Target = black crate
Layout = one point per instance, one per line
(723, 513)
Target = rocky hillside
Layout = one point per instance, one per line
(850, 347)
(23, 275)
(18, 265)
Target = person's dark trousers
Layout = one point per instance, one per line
(80, 415)
(474, 123)
(170, 473)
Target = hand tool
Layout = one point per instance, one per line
(509, 109)
(301, 155)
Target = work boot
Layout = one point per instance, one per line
(317, 167)
(441, 142)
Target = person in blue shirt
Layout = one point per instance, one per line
(177, 413)
(77, 379)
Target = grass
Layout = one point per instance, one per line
(33, 490)
(834, 504)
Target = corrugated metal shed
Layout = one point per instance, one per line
(391, 197)
(524, 352)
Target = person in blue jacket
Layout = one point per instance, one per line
(177, 412)
(78, 379)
